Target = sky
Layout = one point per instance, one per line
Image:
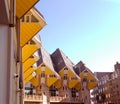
(85, 30)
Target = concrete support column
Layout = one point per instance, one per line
(69, 94)
(7, 65)
(85, 93)
(45, 94)
(87, 96)
(43, 90)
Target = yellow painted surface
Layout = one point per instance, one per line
(89, 75)
(70, 73)
(23, 6)
(28, 31)
(78, 86)
(28, 72)
(38, 70)
(47, 70)
(28, 63)
(91, 85)
(61, 72)
(58, 83)
(72, 83)
(28, 79)
(28, 50)
(34, 81)
(51, 81)
(81, 75)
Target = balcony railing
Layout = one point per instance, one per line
(56, 99)
(38, 98)
(64, 99)
(33, 98)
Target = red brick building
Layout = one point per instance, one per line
(108, 89)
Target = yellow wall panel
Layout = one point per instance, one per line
(91, 85)
(23, 6)
(38, 70)
(78, 86)
(28, 79)
(61, 73)
(28, 31)
(72, 83)
(70, 73)
(28, 63)
(48, 71)
(34, 81)
(90, 77)
(82, 75)
(28, 50)
(51, 81)
(28, 72)
(58, 83)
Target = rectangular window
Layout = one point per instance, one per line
(27, 19)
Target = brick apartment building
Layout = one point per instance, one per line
(108, 89)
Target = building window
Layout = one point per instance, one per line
(22, 19)
(52, 76)
(73, 78)
(53, 90)
(43, 74)
(73, 91)
(27, 18)
(33, 19)
(65, 68)
(32, 42)
(65, 77)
